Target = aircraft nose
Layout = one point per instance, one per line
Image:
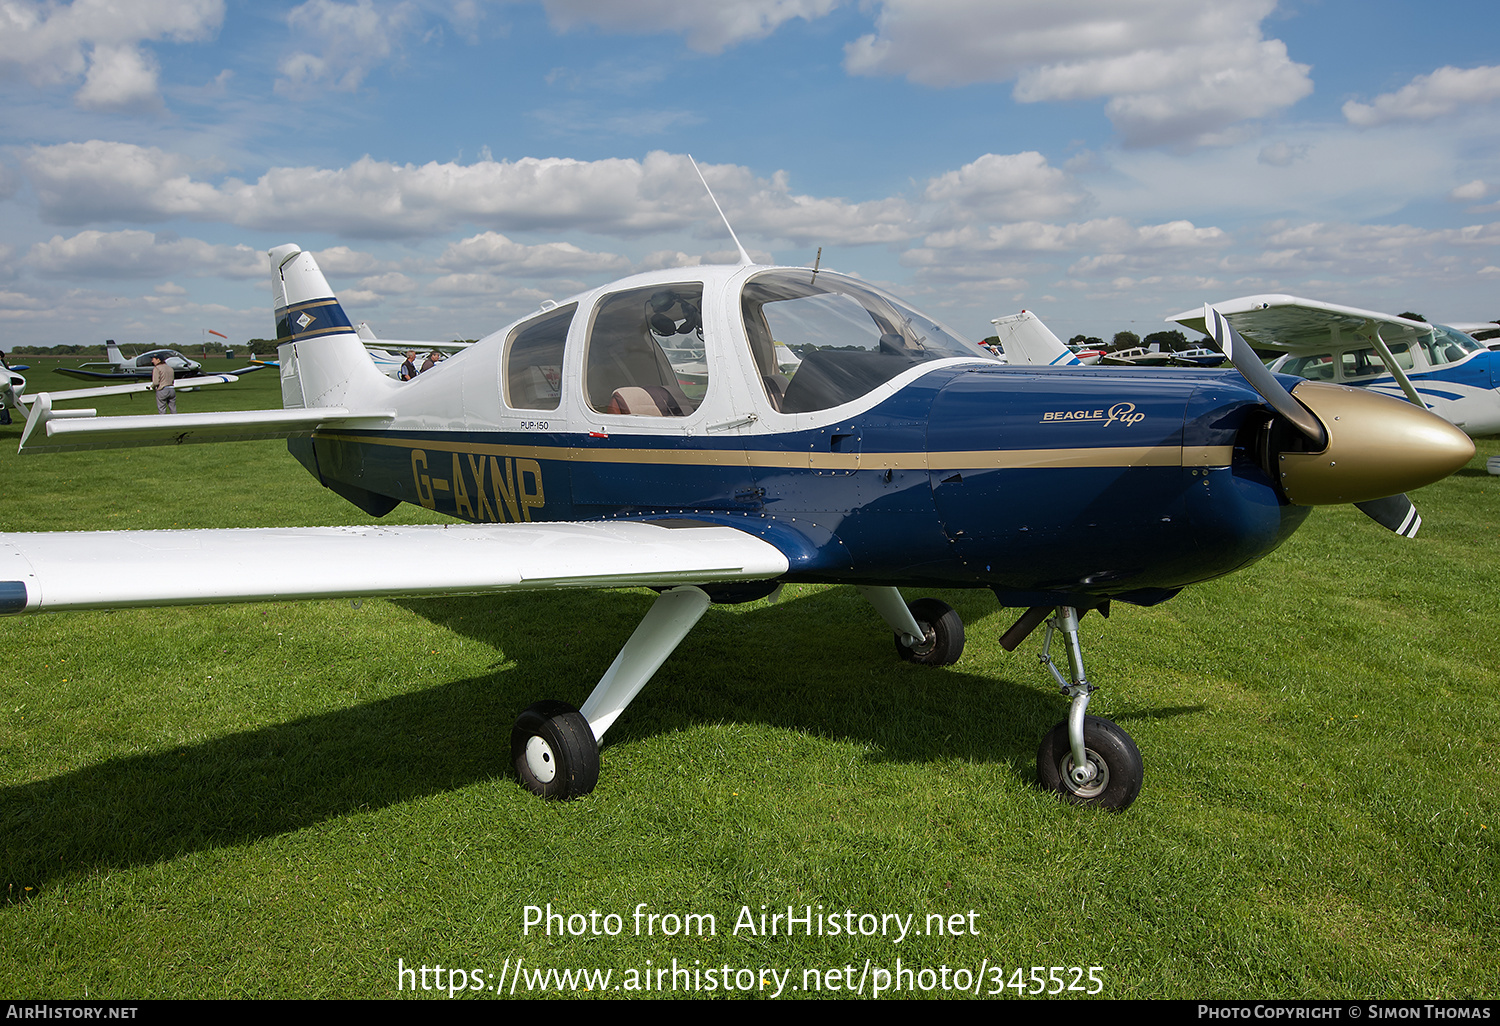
(1377, 446)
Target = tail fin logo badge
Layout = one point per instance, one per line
(304, 320)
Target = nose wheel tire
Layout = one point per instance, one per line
(554, 751)
(943, 634)
(1115, 761)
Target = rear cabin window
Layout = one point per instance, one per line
(645, 352)
(533, 360)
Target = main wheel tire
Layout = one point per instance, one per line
(943, 631)
(1110, 749)
(554, 751)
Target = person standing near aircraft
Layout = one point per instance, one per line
(409, 368)
(433, 359)
(161, 384)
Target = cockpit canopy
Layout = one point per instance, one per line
(644, 350)
(851, 337)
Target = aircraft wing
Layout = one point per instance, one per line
(397, 346)
(1303, 325)
(92, 375)
(112, 569)
(49, 430)
(184, 385)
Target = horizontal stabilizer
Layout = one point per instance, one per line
(113, 569)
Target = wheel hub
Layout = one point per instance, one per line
(540, 760)
(929, 639)
(1088, 781)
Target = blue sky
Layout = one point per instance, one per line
(1104, 163)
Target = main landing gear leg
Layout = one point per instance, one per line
(555, 747)
(928, 632)
(1087, 760)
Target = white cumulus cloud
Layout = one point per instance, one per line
(1174, 71)
(141, 254)
(1005, 187)
(709, 26)
(343, 40)
(78, 183)
(52, 44)
(491, 251)
(120, 78)
(1428, 96)
(1470, 191)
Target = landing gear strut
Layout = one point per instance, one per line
(1085, 759)
(555, 747)
(929, 632)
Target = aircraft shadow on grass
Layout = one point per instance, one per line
(285, 777)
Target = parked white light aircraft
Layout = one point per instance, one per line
(122, 367)
(1027, 341)
(12, 386)
(388, 354)
(1433, 365)
(898, 454)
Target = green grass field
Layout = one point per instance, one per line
(299, 800)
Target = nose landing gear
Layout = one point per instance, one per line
(1085, 759)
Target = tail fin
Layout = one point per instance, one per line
(1027, 340)
(323, 362)
(112, 352)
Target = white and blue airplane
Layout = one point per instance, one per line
(1433, 365)
(578, 454)
(125, 368)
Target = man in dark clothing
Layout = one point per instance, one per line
(409, 368)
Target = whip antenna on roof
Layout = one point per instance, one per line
(744, 257)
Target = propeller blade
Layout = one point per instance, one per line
(1362, 447)
(1262, 380)
(1394, 513)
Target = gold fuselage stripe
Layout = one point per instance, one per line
(979, 459)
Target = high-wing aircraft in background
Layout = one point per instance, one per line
(1433, 365)
(897, 455)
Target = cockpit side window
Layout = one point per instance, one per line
(646, 352)
(1366, 363)
(1315, 368)
(850, 338)
(533, 361)
(1446, 345)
